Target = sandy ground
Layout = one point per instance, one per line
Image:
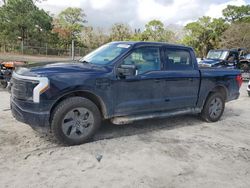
(173, 152)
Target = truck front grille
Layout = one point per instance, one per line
(22, 89)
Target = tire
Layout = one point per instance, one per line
(75, 120)
(3, 84)
(245, 67)
(213, 108)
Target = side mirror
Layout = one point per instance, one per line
(125, 71)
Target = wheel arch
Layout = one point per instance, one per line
(217, 89)
(82, 93)
(220, 89)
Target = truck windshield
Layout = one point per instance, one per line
(217, 54)
(105, 54)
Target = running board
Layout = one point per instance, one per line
(129, 119)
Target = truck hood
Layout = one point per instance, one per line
(210, 62)
(51, 68)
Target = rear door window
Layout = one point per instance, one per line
(178, 59)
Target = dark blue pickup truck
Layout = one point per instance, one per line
(123, 82)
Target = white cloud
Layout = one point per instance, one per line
(61, 3)
(100, 4)
(215, 10)
(55, 6)
(151, 9)
(104, 13)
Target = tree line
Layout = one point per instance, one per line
(22, 22)
(230, 31)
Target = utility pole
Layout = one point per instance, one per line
(22, 45)
(73, 49)
(46, 48)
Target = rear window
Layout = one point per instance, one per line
(178, 59)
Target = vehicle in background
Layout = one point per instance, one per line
(248, 88)
(6, 69)
(122, 82)
(244, 65)
(222, 58)
(198, 59)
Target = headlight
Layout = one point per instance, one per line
(40, 88)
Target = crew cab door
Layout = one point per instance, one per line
(139, 92)
(182, 78)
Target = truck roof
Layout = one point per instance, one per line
(141, 43)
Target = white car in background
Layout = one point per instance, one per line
(248, 88)
(198, 60)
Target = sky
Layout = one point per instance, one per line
(136, 13)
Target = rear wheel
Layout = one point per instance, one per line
(213, 108)
(75, 121)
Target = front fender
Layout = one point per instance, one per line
(83, 92)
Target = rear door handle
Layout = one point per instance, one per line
(157, 80)
(191, 79)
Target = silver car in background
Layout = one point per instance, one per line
(248, 88)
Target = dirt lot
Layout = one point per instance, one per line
(173, 152)
(18, 57)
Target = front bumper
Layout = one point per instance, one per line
(31, 114)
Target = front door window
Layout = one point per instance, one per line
(145, 59)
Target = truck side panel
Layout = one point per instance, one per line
(218, 78)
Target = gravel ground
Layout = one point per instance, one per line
(174, 152)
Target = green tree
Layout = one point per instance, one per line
(69, 24)
(204, 34)
(120, 32)
(136, 35)
(156, 31)
(5, 1)
(218, 27)
(24, 20)
(237, 13)
(93, 38)
(236, 36)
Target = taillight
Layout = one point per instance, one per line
(239, 80)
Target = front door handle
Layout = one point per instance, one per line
(190, 79)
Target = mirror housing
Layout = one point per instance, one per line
(127, 71)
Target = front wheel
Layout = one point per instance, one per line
(213, 108)
(75, 120)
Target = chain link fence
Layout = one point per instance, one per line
(45, 50)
